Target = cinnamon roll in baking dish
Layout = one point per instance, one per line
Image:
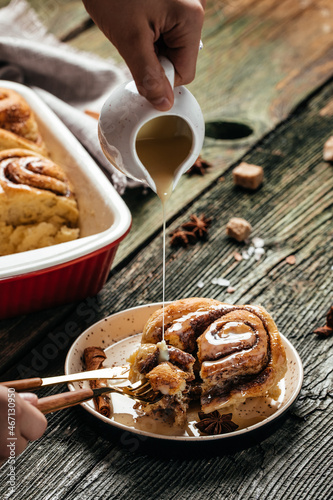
(18, 126)
(37, 203)
(218, 352)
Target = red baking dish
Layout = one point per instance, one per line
(71, 271)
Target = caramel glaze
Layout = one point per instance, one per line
(190, 327)
(167, 379)
(239, 370)
(183, 333)
(149, 359)
(226, 362)
(239, 350)
(222, 353)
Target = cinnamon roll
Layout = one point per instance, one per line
(37, 204)
(18, 125)
(235, 353)
(241, 356)
(147, 357)
(170, 377)
(179, 329)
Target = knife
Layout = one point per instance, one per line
(116, 373)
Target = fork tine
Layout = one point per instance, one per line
(147, 394)
(143, 393)
(139, 387)
(139, 384)
(142, 389)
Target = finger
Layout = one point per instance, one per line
(183, 53)
(11, 441)
(20, 444)
(184, 61)
(29, 397)
(13, 446)
(183, 41)
(32, 422)
(147, 71)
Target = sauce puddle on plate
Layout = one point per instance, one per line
(249, 413)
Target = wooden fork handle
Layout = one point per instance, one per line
(23, 384)
(64, 400)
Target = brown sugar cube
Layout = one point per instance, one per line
(328, 149)
(248, 176)
(238, 228)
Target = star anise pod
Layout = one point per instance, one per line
(215, 423)
(181, 238)
(198, 225)
(199, 167)
(327, 330)
(323, 331)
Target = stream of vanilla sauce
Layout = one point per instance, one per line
(162, 145)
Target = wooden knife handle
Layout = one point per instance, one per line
(23, 384)
(64, 400)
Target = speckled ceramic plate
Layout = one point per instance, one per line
(120, 334)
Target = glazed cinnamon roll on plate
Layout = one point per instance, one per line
(238, 348)
(241, 368)
(241, 356)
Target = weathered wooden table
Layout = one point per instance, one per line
(264, 82)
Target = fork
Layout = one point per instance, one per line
(142, 393)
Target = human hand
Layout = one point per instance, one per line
(140, 29)
(20, 422)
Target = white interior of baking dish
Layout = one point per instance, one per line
(104, 217)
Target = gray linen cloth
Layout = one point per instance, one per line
(68, 80)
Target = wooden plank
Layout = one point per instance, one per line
(266, 45)
(248, 45)
(12, 329)
(292, 212)
(60, 17)
(260, 60)
(23, 333)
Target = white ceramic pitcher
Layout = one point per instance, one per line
(125, 113)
